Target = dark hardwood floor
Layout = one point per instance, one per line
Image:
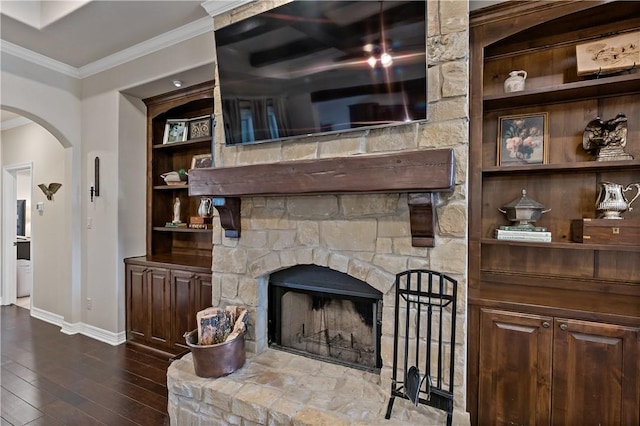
(50, 378)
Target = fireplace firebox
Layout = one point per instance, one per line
(325, 314)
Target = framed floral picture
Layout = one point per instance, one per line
(523, 139)
(175, 131)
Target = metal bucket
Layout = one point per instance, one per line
(216, 360)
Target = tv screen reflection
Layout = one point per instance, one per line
(314, 67)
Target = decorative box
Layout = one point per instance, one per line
(606, 231)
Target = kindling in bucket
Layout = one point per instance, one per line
(217, 345)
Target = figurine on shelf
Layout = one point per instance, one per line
(606, 139)
(176, 211)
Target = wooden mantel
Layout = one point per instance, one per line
(420, 173)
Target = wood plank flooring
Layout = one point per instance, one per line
(50, 378)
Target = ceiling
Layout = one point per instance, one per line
(81, 33)
(96, 29)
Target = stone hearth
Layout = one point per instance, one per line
(278, 388)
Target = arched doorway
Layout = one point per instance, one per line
(30, 147)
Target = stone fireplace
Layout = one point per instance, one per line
(367, 237)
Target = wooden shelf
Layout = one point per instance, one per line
(559, 281)
(562, 245)
(204, 142)
(184, 230)
(184, 104)
(534, 296)
(170, 187)
(568, 92)
(420, 173)
(172, 282)
(201, 264)
(585, 166)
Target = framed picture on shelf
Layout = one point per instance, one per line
(200, 127)
(523, 139)
(175, 131)
(609, 55)
(201, 161)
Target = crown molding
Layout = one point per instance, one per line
(178, 35)
(216, 7)
(38, 59)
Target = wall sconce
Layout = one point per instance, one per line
(95, 186)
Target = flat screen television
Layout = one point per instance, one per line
(316, 67)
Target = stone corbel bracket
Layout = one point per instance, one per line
(419, 173)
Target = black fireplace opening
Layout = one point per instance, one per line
(325, 314)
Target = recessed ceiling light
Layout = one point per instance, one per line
(177, 83)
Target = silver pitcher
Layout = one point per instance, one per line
(611, 201)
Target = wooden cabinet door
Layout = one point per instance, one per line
(515, 368)
(596, 378)
(205, 291)
(137, 304)
(191, 293)
(159, 305)
(183, 315)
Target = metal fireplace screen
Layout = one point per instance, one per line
(424, 340)
(326, 314)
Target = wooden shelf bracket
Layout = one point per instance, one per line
(229, 209)
(422, 218)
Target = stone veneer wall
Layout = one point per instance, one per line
(366, 236)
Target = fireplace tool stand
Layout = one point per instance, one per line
(427, 300)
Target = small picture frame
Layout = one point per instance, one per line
(200, 127)
(523, 139)
(175, 131)
(201, 161)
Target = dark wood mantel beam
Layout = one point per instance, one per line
(423, 172)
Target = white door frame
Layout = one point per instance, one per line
(9, 250)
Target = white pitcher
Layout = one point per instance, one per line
(205, 207)
(515, 81)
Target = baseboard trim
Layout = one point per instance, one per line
(47, 316)
(113, 339)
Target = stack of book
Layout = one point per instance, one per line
(534, 234)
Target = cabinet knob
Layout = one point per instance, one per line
(546, 324)
(564, 327)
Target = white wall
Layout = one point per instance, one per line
(121, 145)
(131, 157)
(94, 118)
(51, 100)
(32, 143)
